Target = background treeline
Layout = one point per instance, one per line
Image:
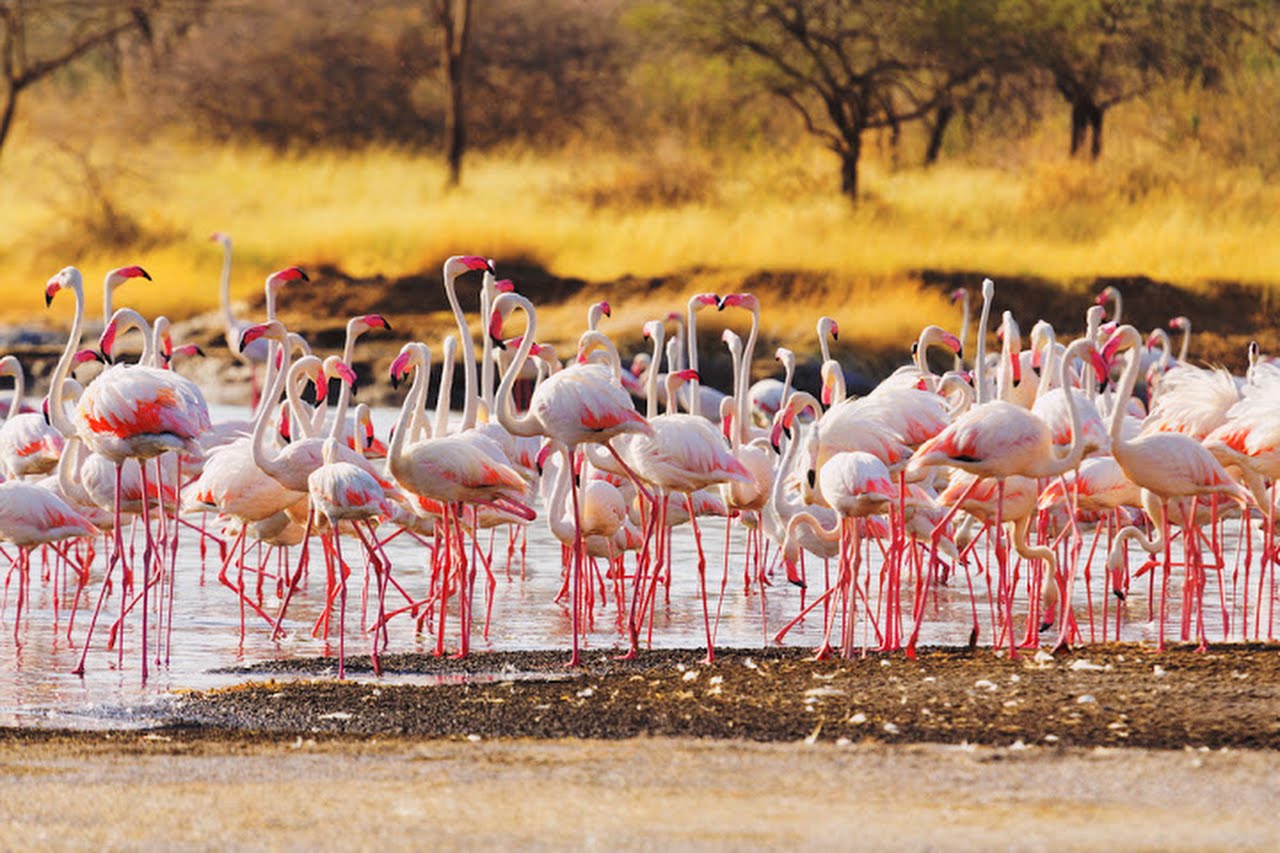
(922, 80)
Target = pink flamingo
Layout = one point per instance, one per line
(129, 411)
(452, 470)
(999, 440)
(28, 444)
(32, 516)
(582, 404)
(1169, 465)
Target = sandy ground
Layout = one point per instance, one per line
(141, 791)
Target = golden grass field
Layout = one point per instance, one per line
(602, 216)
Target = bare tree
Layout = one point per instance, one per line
(842, 65)
(39, 38)
(455, 27)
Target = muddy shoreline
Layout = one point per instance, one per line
(1117, 695)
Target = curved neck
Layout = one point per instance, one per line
(744, 381)
(19, 389)
(1049, 344)
(590, 342)
(445, 391)
(525, 424)
(691, 329)
(127, 319)
(980, 357)
(673, 381)
(1071, 458)
(468, 351)
(305, 424)
(487, 293)
(561, 526)
(264, 460)
(651, 377)
(1186, 341)
(412, 404)
(964, 330)
(789, 376)
(823, 346)
(57, 413)
(1127, 381)
(224, 285)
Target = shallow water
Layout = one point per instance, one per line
(38, 689)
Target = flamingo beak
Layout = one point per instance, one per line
(793, 573)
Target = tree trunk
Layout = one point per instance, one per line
(1086, 119)
(849, 155)
(1095, 128)
(455, 19)
(941, 121)
(6, 117)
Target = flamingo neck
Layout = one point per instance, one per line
(1073, 456)
(445, 391)
(265, 460)
(1127, 380)
(651, 376)
(224, 288)
(57, 413)
(964, 330)
(487, 294)
(526, 424)
(1050, 344)
(468, 351)
(744, 382)
(412, 403)
(980, 357)
(1186, 341)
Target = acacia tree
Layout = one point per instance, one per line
(37, 39)
(844, 66)
(1101, 53)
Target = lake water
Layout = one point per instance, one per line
(37, 687)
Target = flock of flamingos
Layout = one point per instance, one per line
(995, 476)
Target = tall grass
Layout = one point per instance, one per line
(600, 217)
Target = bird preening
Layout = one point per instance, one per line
(1024, 481)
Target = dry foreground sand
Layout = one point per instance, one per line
(956, 750)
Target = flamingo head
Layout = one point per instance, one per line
(186, 350)
(740, 300)
(540, 460)
(496, 321)
(1108, 293)
(279, 278)
(220, 237)
(652, 329)
(403, 363)
(702, 300)
(1180, 324)
(366, 322)
(603, 304)
(828, 326)
(273, 330)
(988, 289)
(514, 343)
(957, 295)
(1153, 339)
(948, 340)
(458, 264)
(687, 375)
(67, 277)
(286, 428)
(504, 285)
(121, 274)
(793, 571)
(726, 418)
(86, 355)
(107, 341)
(731, 340)
(335, 368)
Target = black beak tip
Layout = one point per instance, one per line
(813, 478)
(395, 382)
(48, 300)
(497, 342)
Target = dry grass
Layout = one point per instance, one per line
(383, 211)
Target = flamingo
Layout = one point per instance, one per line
(1168, 465)
(28, 444)
(128, 412)
(768, 395)
(682, 453)
(449, 469)
(32, 516)
(343, 492)
(582, 404)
